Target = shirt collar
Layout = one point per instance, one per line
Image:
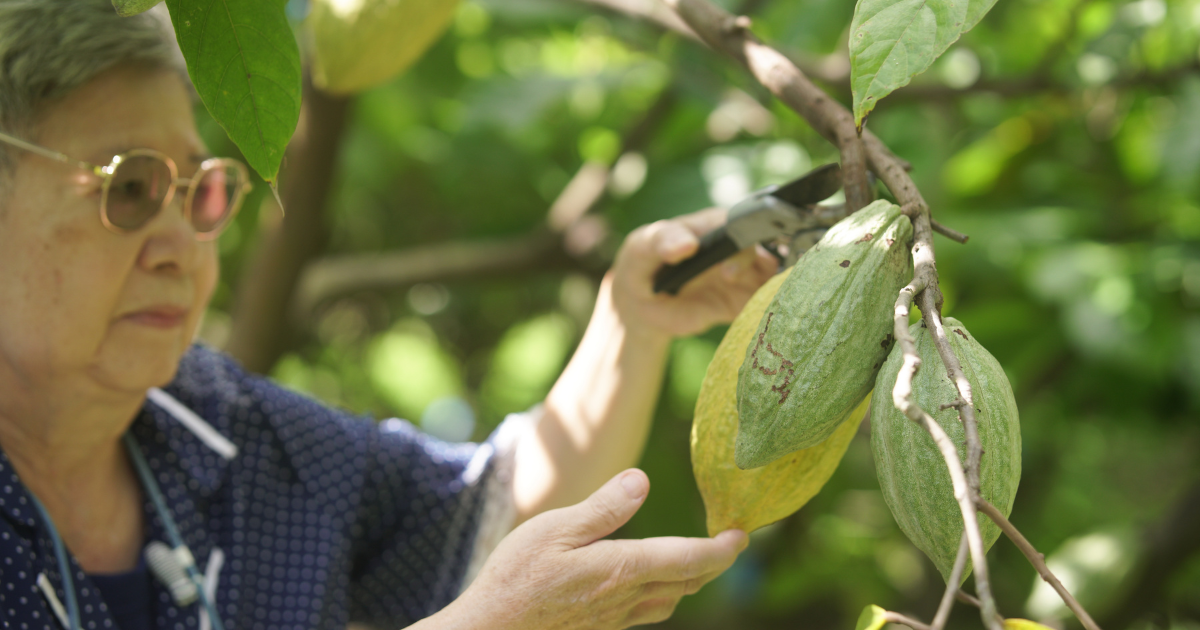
(161, 432)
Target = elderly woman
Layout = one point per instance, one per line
(281, 512)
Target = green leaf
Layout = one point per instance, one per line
(872, 618)
(245, 64)
(891, 41)
(127, 8)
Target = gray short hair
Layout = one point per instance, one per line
(50, 47)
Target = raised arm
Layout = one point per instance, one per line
(598, 413)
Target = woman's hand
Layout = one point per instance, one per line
(555, 572)
(714, 297)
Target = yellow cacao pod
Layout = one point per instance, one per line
(824, 337)
(912, 473)
(749, 499)
(358, 44)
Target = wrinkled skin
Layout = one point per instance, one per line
(553, 572)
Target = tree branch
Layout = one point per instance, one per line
(567, 237)
(730, 35)
(649, 10)
(1038, 561)
(895, 617)
(952, 586)
(951, 234)
(262, 330)
(924, 273)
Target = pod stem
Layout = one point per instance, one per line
(1038, 561)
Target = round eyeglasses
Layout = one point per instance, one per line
(138, 184)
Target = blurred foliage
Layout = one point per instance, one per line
(1060, 134)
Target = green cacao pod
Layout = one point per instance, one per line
(824, 336)
(128, 8)
(749, 499)
(912, 473)
(358, 44)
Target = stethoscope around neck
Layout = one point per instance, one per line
(180, 550)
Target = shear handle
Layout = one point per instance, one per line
(714, 247)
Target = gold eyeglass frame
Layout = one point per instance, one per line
(106, 172)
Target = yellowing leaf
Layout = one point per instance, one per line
(1023, 624)
(872, 618)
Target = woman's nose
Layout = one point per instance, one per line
(171, 243)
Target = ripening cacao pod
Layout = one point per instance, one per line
(358, 44)
(824, 336)
(912, 473)
(749, 499)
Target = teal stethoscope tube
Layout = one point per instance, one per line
(160, 506)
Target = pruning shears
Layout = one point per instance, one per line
(775, 216)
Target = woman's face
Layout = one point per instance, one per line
(78, 303)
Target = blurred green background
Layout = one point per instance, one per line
(1062, 135)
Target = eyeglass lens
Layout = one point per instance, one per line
(140, 184)
(215, 193)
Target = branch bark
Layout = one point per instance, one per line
(952, 586)
(895, 617)
(729, 34)
(1038, 561)
(565, 241)
(262, 330)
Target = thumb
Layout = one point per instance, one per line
(607, 509)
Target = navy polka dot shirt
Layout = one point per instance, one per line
(298, 515)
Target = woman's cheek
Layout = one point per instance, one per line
(206, 282)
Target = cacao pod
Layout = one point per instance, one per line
(824, 336)
(912, 473)
(358, 44)
(750, 499)
(129, 8)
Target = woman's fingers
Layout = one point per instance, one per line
(674, 559)
(676, 589)
(668, 241)
(600, 514)
(651, 611)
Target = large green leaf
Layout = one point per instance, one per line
(891, 41)
(245, 64)
(126, 8)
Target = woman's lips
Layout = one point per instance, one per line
(159, 316)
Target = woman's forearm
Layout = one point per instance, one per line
(596, 417)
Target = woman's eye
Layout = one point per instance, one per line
(131, 188)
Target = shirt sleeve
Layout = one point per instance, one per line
(430, 513)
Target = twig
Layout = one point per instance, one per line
(953, 235)
(895, 617)
(967, 598)
(1038, 561)
(729, 34)
(649, 10)
(960, 565)
(902, 399)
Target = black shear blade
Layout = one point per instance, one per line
(818, 184)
